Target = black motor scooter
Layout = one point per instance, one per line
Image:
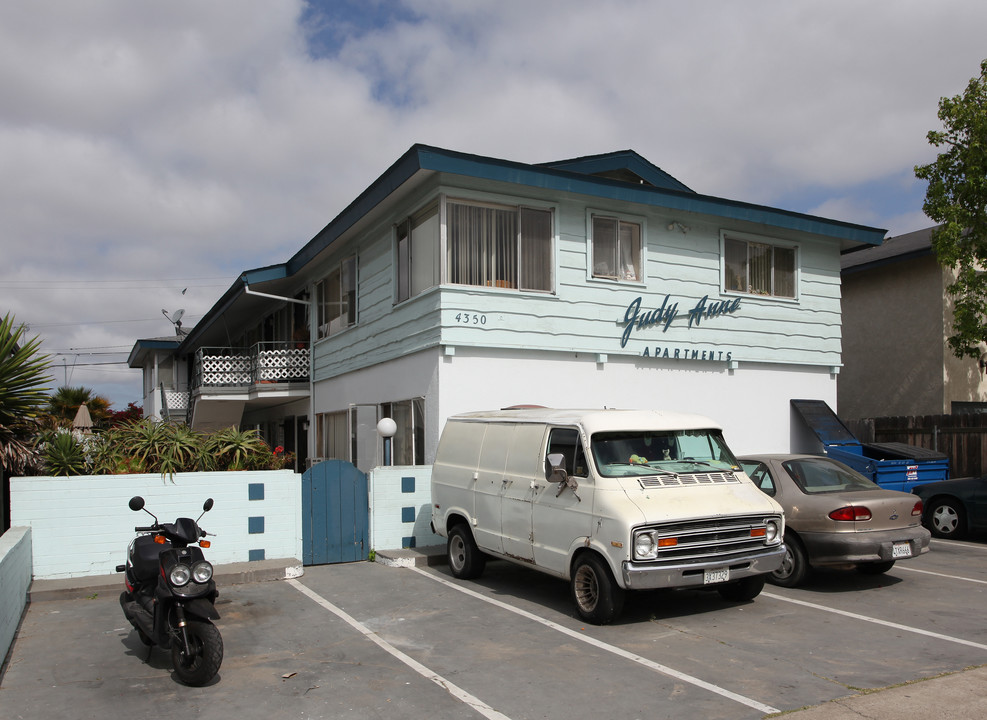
(170, 596)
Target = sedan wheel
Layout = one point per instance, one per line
(794, 567)
(946, 519)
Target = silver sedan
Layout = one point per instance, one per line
(835, 517)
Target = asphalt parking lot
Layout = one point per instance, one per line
(366, 640)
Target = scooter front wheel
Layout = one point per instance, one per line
(201, 663)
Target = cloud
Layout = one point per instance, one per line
(145, 145)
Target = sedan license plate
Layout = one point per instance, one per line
(901, 550)
(716, 576)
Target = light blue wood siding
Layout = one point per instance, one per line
(584, 315)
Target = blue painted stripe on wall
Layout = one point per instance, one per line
(408, 542)
(407, 484)
(253, 555)
(407, 514)
(255, 525)
(255, 491)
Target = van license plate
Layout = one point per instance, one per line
(901, 550)
(716, 576)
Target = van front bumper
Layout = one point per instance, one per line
(650, 576)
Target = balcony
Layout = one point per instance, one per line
(262, 364)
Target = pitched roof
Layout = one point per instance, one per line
(622, 175)
(896, 249)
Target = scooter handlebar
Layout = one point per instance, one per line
(145, 529)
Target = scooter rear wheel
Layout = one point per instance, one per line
(200, 665)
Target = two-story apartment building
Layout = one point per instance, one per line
(457, 282)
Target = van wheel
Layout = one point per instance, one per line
(465, 559)
(598, 597)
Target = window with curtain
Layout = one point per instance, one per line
(758, 268)
(332, 436)
(336, 298)
(616, 249)
(408, 443)
(499, 246)
(418, 253)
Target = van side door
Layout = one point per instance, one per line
(489, 486)
(523, 465)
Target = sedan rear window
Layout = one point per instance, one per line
(822, 475)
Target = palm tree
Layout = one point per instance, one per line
(23, 386)
(65, 402)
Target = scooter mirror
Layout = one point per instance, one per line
(207, 505)
(136, 503)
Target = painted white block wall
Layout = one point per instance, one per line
(82, 526)
(400, 508)
(15, 578)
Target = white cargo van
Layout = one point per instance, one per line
(611, 500)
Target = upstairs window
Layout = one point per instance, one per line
(499, 246)
(418, 253)
(617, 249)
(336, 297)
(758, 268)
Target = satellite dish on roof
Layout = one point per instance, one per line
(175, 319)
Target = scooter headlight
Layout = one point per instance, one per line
(202, 571)
(179, 575)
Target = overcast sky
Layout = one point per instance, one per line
(148, 148)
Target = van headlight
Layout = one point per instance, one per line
(772, 536)
(645, 546)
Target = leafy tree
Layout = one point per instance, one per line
(65, 403)
(956, 197)
(23, 386)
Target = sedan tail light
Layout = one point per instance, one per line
(850, 513)
(917, 510)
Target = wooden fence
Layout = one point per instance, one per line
(962, 438)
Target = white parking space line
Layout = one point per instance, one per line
(876, 621)
(620, 652)
(942, 575)
(457, 692)
(960, 544)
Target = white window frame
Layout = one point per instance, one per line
(595, 274)
(330, 326)
(760, 240)
(517, 208)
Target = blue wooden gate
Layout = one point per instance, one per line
(335, 513)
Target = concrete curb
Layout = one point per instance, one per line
(412, 557)
(77, 588)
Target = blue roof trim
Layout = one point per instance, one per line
(559, 180)
(621, 160)
(265, 274)
(388, 182)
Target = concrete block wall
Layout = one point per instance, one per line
(82, 526)
(15, 578)
(400, 507)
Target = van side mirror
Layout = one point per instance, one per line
(555, 471)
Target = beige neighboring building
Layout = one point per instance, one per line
(896, 319)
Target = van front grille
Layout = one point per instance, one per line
(703, 541)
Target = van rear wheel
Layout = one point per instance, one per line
(465, 559)
(598, 597)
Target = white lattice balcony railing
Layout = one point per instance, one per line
(267, 362)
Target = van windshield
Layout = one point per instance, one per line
(633, 453)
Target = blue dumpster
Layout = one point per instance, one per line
(895, 466)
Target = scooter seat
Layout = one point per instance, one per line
(144, 556)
